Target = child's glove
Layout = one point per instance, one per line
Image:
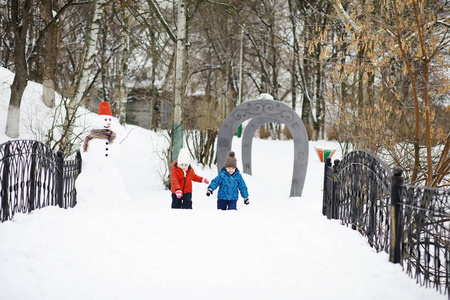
(209, 192)
(205, 181)
(246, 201)
(179, 194)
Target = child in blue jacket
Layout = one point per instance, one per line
(230, 183)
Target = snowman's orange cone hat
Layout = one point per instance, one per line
(104, 109)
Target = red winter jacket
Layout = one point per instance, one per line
(179, 182)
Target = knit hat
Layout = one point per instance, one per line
(184, 157)
(231, 161)
(104, 109)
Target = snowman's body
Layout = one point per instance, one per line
(102, 150)
(100, 183)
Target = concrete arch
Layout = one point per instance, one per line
(247, 140)
(261, 112)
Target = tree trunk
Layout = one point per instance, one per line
(415, 97)
(306, 103)
(296, 55)
(429, 181)
(89, 52)
(154, 95)
(180, 78)
(50, 51)
(241, 58)
(122, 92)
(20, 19)
(273, 49)
(17, 90)
(320, 107)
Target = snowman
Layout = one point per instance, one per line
(100, 183)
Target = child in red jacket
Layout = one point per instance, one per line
(181, 179)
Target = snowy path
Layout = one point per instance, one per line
(275, 248)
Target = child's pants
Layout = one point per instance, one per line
(226, 204)
(184, 202)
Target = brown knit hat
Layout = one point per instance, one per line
(231, 161)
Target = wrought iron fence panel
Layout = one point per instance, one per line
(71, 170)
(424, 221)
(410, 223)
(43, 174)
(32, 176)
(362, 196)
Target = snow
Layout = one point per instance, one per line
(276, 247)
(265, 96)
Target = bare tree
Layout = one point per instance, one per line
(21, 23)
(20, 15)
(403, 46)
(84, 74)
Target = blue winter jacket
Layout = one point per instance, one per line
(229, 185)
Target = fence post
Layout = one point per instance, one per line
(33, 171)
(59, 178)
(372, 198)
(336, 199)
(5, 183)
(397, 181)
(79, 161)
(326, 203)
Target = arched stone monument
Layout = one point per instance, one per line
(261, 112)
(247, 140)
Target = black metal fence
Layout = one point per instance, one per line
(363, 193)
(32, 176)
(423, 235)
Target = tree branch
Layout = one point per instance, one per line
(161, 18)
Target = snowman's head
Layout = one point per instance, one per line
(103, 122)
(104, 119)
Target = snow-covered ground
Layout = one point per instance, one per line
(277, 247)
